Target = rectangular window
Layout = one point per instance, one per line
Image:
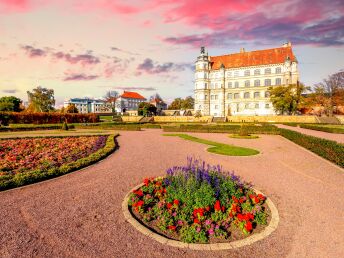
(212, 97)
(229, 96)
(216, 96)
(278, 81)
(247, 105)
(229, 74)
(236, 85)
(230, 85)
(216, 107)
(205, 97)
(236, 73)
(267, 82)
(256, 83)
(247, 73)
(267, 71)
(256, 95)
(256, 105)
(247, 83)
(267, 105)
(278, 70)
(236, 95)
(257, 72)
(206, 85)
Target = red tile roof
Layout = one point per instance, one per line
(253, 58)
(131, 95)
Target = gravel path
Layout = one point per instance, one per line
(79, 215)
(337, 137)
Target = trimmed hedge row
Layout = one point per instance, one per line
(323, 128)
(10, 181)
(30, 127)
(251, 129)
(46, 118)
(126, 127)
(327, 149)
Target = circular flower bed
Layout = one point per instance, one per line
(199, 203)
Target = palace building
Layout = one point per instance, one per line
(237, 84)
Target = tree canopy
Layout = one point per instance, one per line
(10, 103)
(329, 93)
(179, 103)
(287, 99)
(41, 100)
(71, 108)
(146, 108)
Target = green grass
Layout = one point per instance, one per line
(106, 118)
(325, 128)
(219, 148)
(237, 136)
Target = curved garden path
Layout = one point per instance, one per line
(337, 137)
(79, 215)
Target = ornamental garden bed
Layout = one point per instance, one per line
(200, 204)
(28, 160)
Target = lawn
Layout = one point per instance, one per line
(219, 148)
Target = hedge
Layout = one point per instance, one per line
(251, 129)
(31, 127)
(323, 128)
(126, 127)
(327, 149)
(46, 118)
(12, 181)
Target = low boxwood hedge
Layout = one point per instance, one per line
(251, 129)
(110, 125)
(327, 149)
(323, 128)
(10, 181)
(32, 127)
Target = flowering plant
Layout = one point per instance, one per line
(28, 154)
(199, 203)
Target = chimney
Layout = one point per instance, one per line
(287, 44)
(242, 50)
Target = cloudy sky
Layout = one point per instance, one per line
(86, 47)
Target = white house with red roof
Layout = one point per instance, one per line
(128, 101)
(237, 84)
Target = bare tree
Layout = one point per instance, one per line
(330, 92)
(110, 99)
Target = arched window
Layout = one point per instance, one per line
(267, 71)
(246, 95)
(247, 83)
(256, 94)
(229, 96)
(267, 94)
(257, 72)
(256, 83)
(236, 95)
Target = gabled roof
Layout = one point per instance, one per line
(131, 95)
(253, 58)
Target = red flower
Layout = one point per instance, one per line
(138, 192)
(146, 181)
(217, 206)
(248, 226)
(176, 202)
(235, 199)
(207, 208)
(261, 197)
(199, 211)
(139, 203)
(169, 205)
(223, 208)
(240, 217)
(172, 227)
(196, 221)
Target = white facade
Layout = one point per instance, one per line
(239, 90)
(85, 105)
(128, 102)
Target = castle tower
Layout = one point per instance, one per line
(202, 87)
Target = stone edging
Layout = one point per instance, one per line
(219, 246)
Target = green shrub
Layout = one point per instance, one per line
(323, 128)
(327, 149)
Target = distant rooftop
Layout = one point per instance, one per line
(132, 95)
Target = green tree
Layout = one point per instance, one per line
(287, 99)
(41, 100)
(146, 108)
(179, 103)
(10, 103)
(188, 103)
(71, 108)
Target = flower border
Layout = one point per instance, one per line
(210, 247)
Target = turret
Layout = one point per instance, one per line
(202, 66)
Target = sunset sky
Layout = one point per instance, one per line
(84, 48)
